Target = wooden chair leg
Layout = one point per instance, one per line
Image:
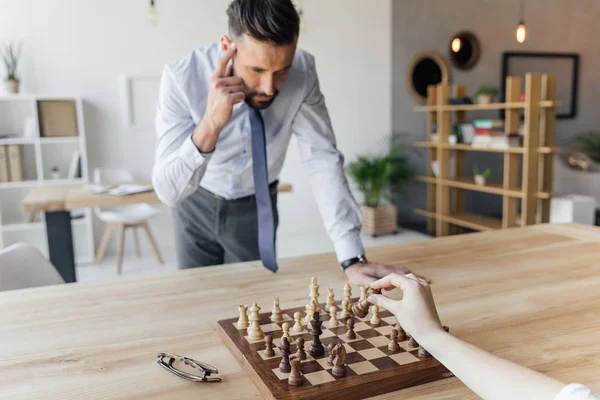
(104, 244)
(120, 245)
(153, 243)
(137, 242)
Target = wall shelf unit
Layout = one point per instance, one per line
(527, 171)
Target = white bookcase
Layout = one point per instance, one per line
(34, 122)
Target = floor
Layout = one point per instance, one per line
(301, 245)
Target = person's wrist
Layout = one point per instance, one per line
(346, 264)
(205, 136)
(431, 338)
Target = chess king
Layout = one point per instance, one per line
(225, 116)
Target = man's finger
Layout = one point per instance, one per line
(221, 70)
(381, 301)
(229, 69)
(395, 280)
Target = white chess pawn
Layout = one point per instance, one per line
(298, 325)
(243, 322)
(285, 327)
(276, 316)
(346, 308)
(375, 317)
(363, 292)
(333, 321)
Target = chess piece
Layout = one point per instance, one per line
(339, 362)
(361, 307)
(363, 293)
(243, 322)
(348, 292)
(446, 328)
(309, 313)
(285, 327)
(295, 378)
(333, 321)
(422, 353)
(276, 316)
(300, 353)
(393, 345)
(298, 327)
(331, 350)
(330, 299)
(316, 347)
(346, 308)
(413, 343)
(284, 365)
(269, 352)
(314, 293)
(375, 320)
(254, 331)
(401, 332)
(350, 334)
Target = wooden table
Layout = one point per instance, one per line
(529, 295)
(57, 202)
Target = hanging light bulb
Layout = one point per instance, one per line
(456, 45)
(521, 29)
(153, 14)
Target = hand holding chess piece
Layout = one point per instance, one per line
(361, 307)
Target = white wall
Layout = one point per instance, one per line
(76, 47)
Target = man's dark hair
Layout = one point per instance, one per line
(274, 21)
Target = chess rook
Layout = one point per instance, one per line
(243, 322)
(295, 378)
(276, 316)
(316, 348)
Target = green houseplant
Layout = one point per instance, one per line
(486, 93)
(589, 144)
(481, 177)
(10, 54)
(377, 178)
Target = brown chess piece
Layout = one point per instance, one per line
(422, 353)
(413, 343)
(295, 378)
(300, 353)
(350, 334)
(393, 345)
(331, 351)
(284, 365)
(401, 333)
(339, 362)
(316, 348)
(361, 307)
(269, 352)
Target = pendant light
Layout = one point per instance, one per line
(521, 29)
(153, 14)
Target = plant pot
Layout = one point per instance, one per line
(452, 140)
(484, 99)
(12, 86)
(381, 220)
(480, 180)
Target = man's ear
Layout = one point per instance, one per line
(225, 43)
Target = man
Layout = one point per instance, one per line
(224, 121)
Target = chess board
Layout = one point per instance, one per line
(372, 369)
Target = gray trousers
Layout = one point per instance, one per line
(210, 230)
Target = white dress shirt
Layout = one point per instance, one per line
(576, 391)
(300, 109)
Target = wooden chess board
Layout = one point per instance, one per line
(372, 368)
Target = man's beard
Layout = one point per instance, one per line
(260, 105)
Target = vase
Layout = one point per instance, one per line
(380, 220)
(484, 99)
(480, 180)
(452, 140)
(12, 86)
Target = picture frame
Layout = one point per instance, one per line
(565, 66)
(139, 96)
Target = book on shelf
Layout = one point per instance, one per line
(3, 164)
(14, 163)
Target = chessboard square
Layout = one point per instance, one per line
(370, 333)
(356, 339)
(380, 324)
(326, 325)
(386, 314)
(294, 333)
(384, 363)
(361, 326)
(379, 341)
(280, 375)
(255, 341)
(262, 355)
(361, 345)
(236, 327)
(390, 352)
(341, 330)
(354, 358)
(390, 320)
(324, 364)
(384, 330)
(406, 347)
(311, 366)
(327, 334)
(363, 367)
(287, 318)
(371, 354)
(404, 358)
(349, 349)
(270, 328)
(320, 377)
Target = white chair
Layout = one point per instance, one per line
(122, 218)
(22, 266)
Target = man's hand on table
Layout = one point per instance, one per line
(365, 274)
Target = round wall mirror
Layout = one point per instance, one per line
(426, 69)
(464, 50)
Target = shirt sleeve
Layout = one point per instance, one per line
(179, 165)
(576, 391)
(316, 140)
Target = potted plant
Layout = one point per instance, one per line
(453, 138)
(589, 144)
(378, 177)
(486, 94)
(10, 54)
(481, 178)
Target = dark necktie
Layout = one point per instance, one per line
(266, 223)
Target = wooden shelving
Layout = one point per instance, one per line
(446, 194)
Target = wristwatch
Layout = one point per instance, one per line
(350, 262)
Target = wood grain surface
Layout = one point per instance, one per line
(528, 295)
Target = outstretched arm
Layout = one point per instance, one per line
(489, 376)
